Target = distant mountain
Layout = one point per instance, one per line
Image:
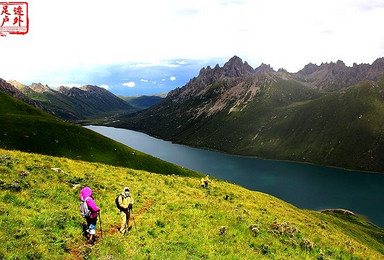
(16, 93)
(142, 102)
(26, 128)
(333, 76)
(329, 114)
(74, 104)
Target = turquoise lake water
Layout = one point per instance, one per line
(303, 185)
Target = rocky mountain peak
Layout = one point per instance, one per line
(235, 67)
(18, 85)
(94, 89)
(378, 65)
(40, 88)
(340, 63)
(63, 89)
(309, 69)
(264, 68)
(70, 91)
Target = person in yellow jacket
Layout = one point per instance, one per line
(125, 202)
(204, 182)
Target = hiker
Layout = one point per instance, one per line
(125, 203)
(86, 195)
(204, 182)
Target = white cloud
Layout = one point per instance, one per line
(130, 84)
(105, 86)
(282, 33)
(154, 82)
(144, 80)
(69, 85)
(163, 79)
(173, 78)
(156, 64)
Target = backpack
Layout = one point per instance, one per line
(117, 202)
(84, 210)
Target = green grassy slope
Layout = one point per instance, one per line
(175, 218)
(26, 128)
(77, 108)
(344, 129)
(61, 105)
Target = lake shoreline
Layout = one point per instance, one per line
(304, 185)
(246, 156)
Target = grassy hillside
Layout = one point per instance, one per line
(87, 102)
(344, 129)
(174, 217)
(26, 128)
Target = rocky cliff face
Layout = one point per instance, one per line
(333, 76)
(234, 71)
(40, 88)
(325, 77)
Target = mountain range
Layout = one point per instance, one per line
(26, 128)
(330, 114)
(175, 217)
(74, 104)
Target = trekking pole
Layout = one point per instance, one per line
(134, 222)
(101, 230)
(125, 228)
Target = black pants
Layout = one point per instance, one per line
(91, 224)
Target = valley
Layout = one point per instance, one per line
(277, 115)
(329, 115)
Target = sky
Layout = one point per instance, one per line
(151, 46)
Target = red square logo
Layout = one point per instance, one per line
(13, 18)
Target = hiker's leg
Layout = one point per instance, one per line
(123, 217)
(92, 229)
(87, 227)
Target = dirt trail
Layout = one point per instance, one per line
(146, 206)
(76, 252)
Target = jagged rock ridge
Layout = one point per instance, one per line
(334, 76)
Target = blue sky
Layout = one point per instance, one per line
(134, 78)
(150, 46)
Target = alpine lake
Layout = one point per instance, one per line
(303, 185)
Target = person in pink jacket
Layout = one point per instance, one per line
(86, 194)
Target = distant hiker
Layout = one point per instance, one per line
(91, 214)
(124, 203)
(204, 182)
